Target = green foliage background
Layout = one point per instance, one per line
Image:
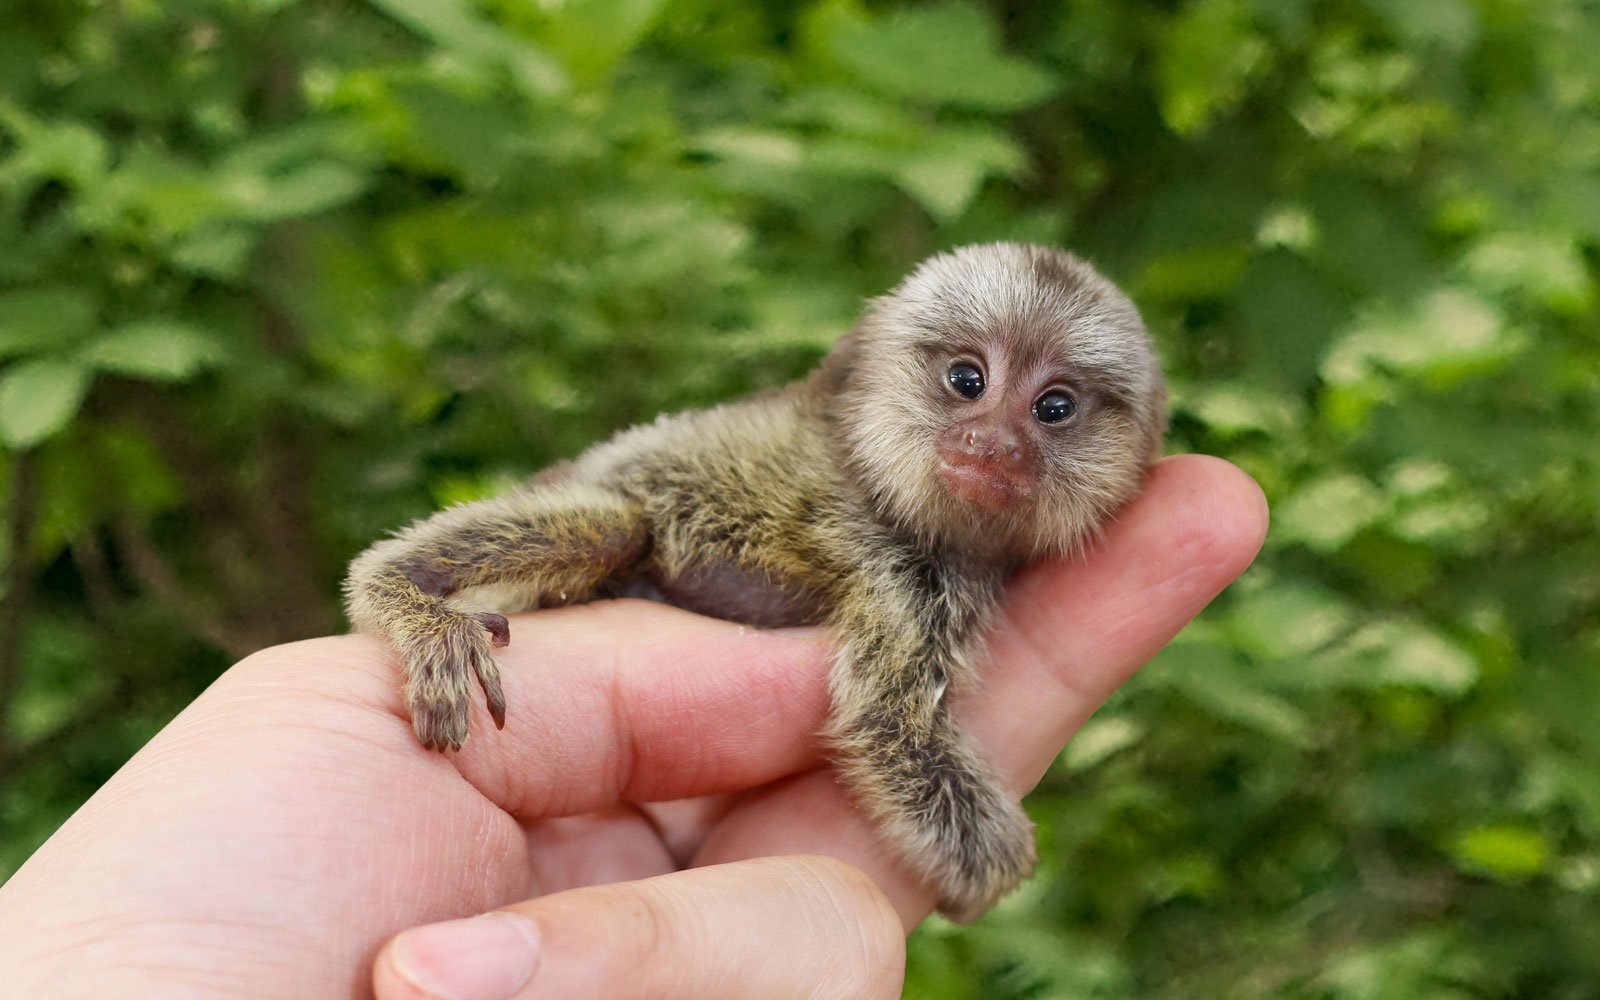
(279, 275)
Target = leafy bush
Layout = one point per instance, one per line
(279, 275)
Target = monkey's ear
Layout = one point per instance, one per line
(834, 373)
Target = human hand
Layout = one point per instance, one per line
(273, 837)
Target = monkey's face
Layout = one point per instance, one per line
(1003, 398)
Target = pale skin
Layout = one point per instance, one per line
(279, 837)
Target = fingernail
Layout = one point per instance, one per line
(480, 958)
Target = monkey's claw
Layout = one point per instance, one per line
(499, 628)
(443, 664)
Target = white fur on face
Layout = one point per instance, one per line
(1048, 316)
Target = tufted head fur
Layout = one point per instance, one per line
(986, 473)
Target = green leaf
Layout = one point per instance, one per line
(1433, 505)
(1200, 273)
(942, 53)
(941, 168)
(1419, 965)
(1216, 678)
(220, 251)
(945, 174)
(1450, 24)
(456, 27)
(1328, 511)
(1099, 739)
(38, 398)
(1400, 652)
(1232, 408)
(1503, 851)
(1287, 621)
(37, 320)
(1208, 55)
(163, 349)
(591, 37)
(154, 192)
(294, 145)
(306, 190)
(1450, 334)
(115, 471)
(1419, 656)
(1547, 271)
(762, 148)
(55, 649)
(68, 151)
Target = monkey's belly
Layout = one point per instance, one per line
(726, 591)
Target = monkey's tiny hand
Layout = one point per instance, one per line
(444, 651)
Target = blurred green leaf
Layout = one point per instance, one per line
(308, 189)
(56, 649)
(1197, 273)
(1208, 54)
(943, 52)
(1424, 965)
(1232, 409)
(68, 151)
(94, 481)
(1451, 24)
(1098, 740)
(1503, 851)
(38, 398)
(1451, 334)
(1288, 621)
(944, 175)
(1399, 652)
(590, 37)
(1435, 506)
(46, 319)
(154, 348)
(220, 251)
(1214, 678)
(1326, 512)
(457, 28)
(1546, 271)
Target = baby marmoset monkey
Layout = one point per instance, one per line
(996, 407)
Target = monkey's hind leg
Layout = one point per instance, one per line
(945, 811)
(915, 772)
(562, 540)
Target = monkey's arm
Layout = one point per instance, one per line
(906, 631)
(564, 539)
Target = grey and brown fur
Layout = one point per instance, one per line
(831, 502)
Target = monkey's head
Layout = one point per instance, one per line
(1003, 398)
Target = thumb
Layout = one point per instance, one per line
(767, 928)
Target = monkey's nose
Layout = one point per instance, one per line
(986, 463)
(993, 445)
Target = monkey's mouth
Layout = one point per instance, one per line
(983, 485)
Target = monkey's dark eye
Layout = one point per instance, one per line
(1053, 407)
(966, 380)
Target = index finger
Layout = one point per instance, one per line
(631, 701)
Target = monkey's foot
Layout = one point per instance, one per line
(974, 865)
(444, 659)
